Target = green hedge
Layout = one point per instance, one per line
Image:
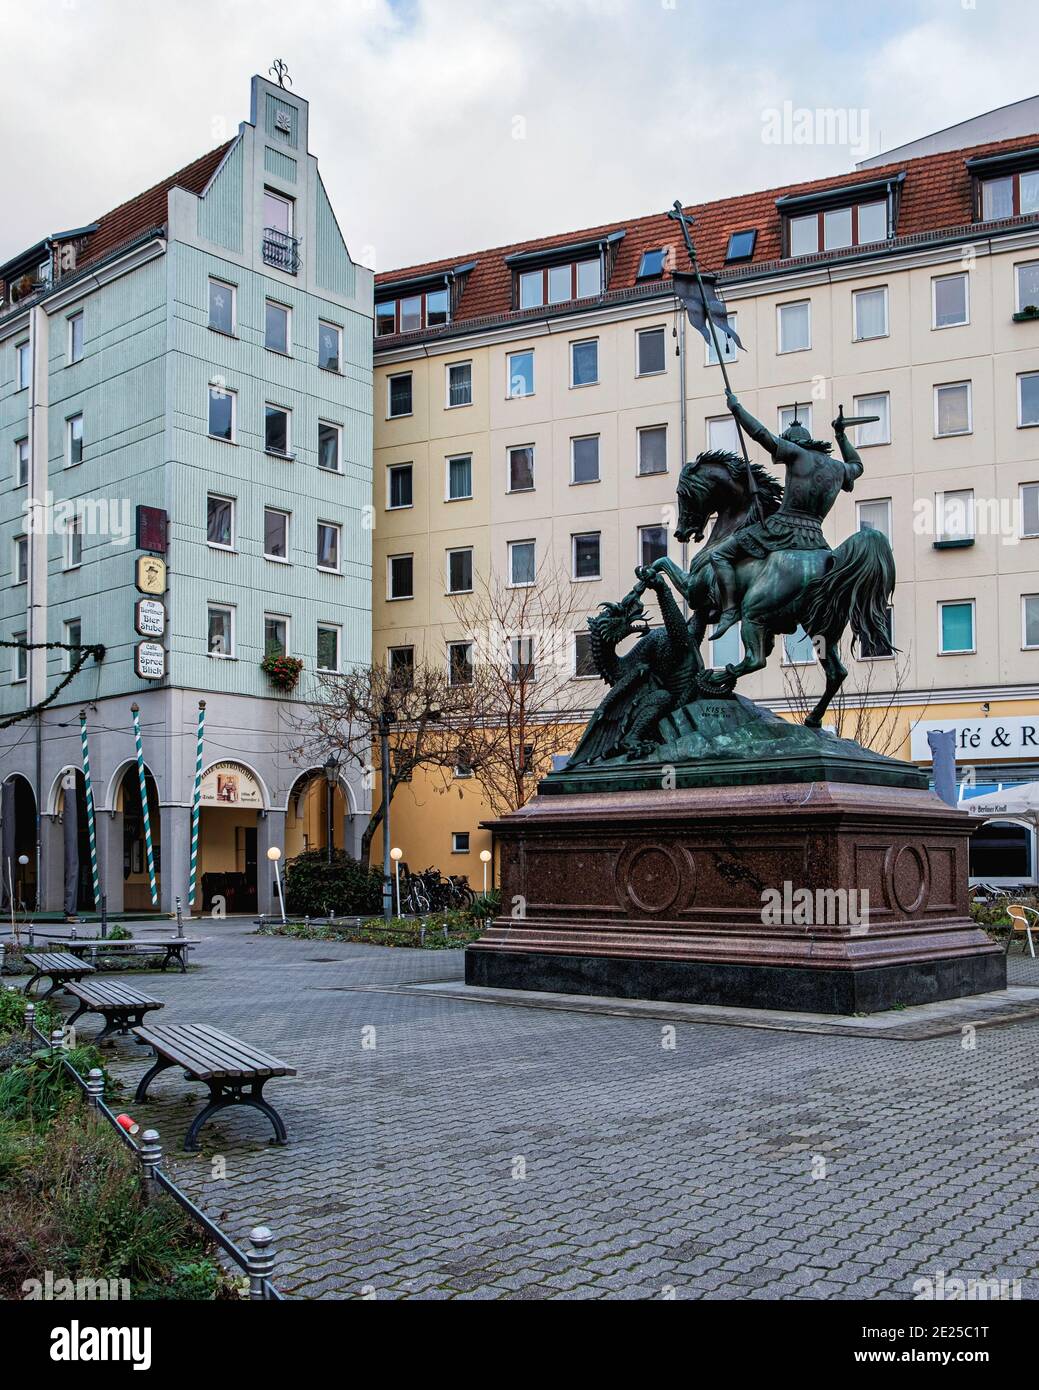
(316, 888)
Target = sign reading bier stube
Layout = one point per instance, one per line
(150, 618)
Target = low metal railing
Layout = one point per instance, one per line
(257, 1263)
(281, 250)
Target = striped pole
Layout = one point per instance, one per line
(146, 814)
(88, 786)
(196, 802)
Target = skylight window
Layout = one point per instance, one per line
(652, 264)
(741, 245)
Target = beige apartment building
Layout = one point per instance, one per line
(534, 405)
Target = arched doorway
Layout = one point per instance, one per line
(232, 800)
(71, 810)
(136, 883)
(307, 815)
(18, 812)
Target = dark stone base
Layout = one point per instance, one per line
(867, 991)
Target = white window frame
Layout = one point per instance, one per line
(963, 275)
(873, 502)
(401, 414)
(17, 544)
(19, 481)
(277, 559)
(459, 550)
(740, 651)
(338, 330)
(510, 395)
(1027, 535)
(574, 673)
(21, 659)
(583, 342)
(1019, 307)
(287, 412)
(449, 648)
(448, 368)
(522, 583)
(337, 526)
(890, 656)
(337, 629)
(69, 422)
(229, 608)
(856, 295)
(939, 514)
(640, 333)
(651, 526)
(958, 603)
(448, 460)
(331, 425)
(585, 482)
(233, 504)
(729, 424)
(861, 409)
(73, 528)
(391, 468)
(223, 391)
(281, 618)
(947, 386)
(71, 321)
(66, 637)
(289, 202)
(454, 841)
(788, 660)
(515, 449)
(278, 304)
(22, 354)
(802, 418)
(658, 472)
(782, 351)
(1027, 646)
(1031, 424)
(575, 536)
(226, 285)
(729, 349)
(391, 597)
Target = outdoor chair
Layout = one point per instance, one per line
(1024, 920)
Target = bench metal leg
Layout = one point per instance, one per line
(222, 1097)
(149, 1076)
(27, 991)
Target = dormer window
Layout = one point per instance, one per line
(409, 306)
(741, 245)
(836, 218)
(1005, 185)
(557, 284)
(652, 264)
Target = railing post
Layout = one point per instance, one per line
(57, 1040)
(180, 919)
(95, 1088)
(30, 1018)
(260, 1260)
(150, 1155)
(3, 952)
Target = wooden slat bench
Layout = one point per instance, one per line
(171, 948)
(234, 1071)
(121, 1006)
(57, 966)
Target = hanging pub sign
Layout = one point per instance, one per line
(150, 617)
(151, 574)
(151, 529)
(150, 661)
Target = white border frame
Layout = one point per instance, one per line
(958, 603)
(391, 597)
(230, 608)
(278, 559)
(964, 275)
(575, 536)
(233, 502)
(856, 295)
(948, 386)
(782, 351)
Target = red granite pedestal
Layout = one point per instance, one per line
(698, 895)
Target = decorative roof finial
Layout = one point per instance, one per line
(280, 69)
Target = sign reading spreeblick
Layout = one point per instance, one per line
(150, 660)
(150, 618)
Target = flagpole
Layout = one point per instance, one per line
(679, 216)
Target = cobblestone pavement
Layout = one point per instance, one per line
(482, 1151)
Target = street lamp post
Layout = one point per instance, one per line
(331, 776)
(274, 854)
(397, 855)
(485, 859)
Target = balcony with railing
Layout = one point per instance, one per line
(281, 250)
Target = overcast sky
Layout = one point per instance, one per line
(448, 126)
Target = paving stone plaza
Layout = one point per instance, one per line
(450, 1149)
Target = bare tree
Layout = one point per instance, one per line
(867, 707)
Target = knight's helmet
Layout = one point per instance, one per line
(795, 431)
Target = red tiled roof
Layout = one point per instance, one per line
(936, 194)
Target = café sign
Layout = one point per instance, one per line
(150, 661)
(230, 784)
(981, 740)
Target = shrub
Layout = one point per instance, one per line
(12, 1014)
(316, 888)
(486, 905)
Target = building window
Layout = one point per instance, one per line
(741, 245)
(401, 572)
(73, 630)
(1030, 620)
(728, 346)
(21, 462)
(857, 225)
(652, 544)
(329, 446)
(952, 409)
(276, 327)
(870, 313)
(650, 352)
(521, 469)
(955, 627)
(22, 366)
(400, 395)
(721, 434)
(584, 363)
(20, 665)
(276, 430)
(459, 477)
(556, 284)
(652, 264)
(523, 668)
(221, 630)
(412, 313)
(522, 563)
(954, 516)
(653, 450)
(280, 247)
(73, 440)
(460, 663)
(800, 414)
(329, 347)
(74, 542)
(584, 459)
(328, 546)
(880, 431)
(220, 522)
(794, 326)
(727, 649)
(586, 558)
(221, 413)
(1014, 195)
(460, 571)
(520, 366)
(797, 648)
(399, 486)
(1027, 399)
(884, 648)
(76, 337)
(950, 300)
(584, 662)
(1026, 278)
(875, 515)
(459, 384)
(401, 667)
(222, 307)
(460, 842)
(20, 564)
(1030, 509)
(275, 634)
(275, 533)
(328, 639)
